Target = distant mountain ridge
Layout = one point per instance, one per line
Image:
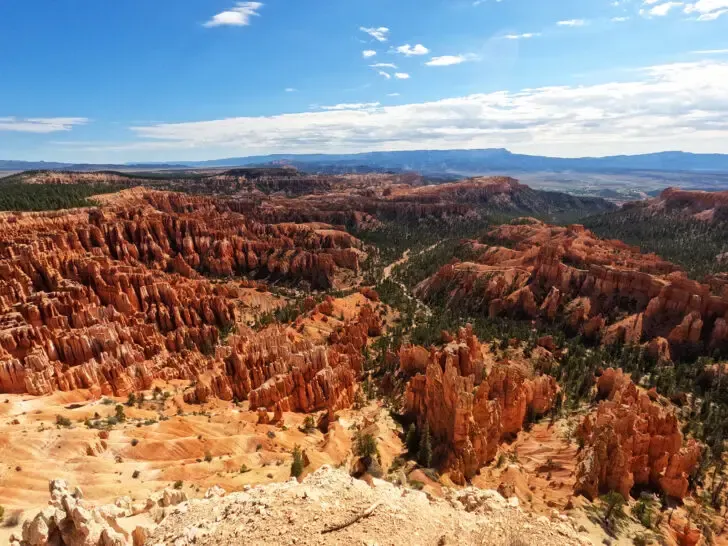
(466, 162)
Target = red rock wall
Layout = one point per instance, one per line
(631, 440)
(105, 298)
(603, 289)
(470, 403)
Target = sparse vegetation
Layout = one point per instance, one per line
(62, 421)
(424, 455)
(297, 465)
(365, 445)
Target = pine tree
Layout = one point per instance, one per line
(424, 455)
(412, 440)
(297, 464)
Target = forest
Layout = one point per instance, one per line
(37, 197)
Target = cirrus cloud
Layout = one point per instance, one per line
(39, 125)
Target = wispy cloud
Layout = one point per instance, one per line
(523, 36)
(393, 94)
(674, 106)
(351, 106)
(39, 125)
(402, 75)
(707, 10)
(619, 19)
(572, 23)
(383, 65)
(238, 16)
(291, 89)
(385, 74)
(660, 10)
(409, 50)
(448, 60)
(368, 53)
(710, 52)
(380, 34)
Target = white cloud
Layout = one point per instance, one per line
(385, 74)
(619, 19)
(661, 10)
(368, 53)
(383, 65)
(572, 23)
(379, 34)
(402, 76)
(708, 10)
(393, 94)
(291, 89)
(238, 16)
(351, 106)
(39, 125)
(447, 60)
(711, 52)
(409, 50)
(523, 36)
(674, 106)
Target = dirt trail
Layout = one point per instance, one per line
(388, 270)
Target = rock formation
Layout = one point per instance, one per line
(470, 403)
(109, 299)
(603, 289)
(274, 369)
(71, 521)
(631, 440)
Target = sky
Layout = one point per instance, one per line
(108, 81)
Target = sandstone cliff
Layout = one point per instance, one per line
(631, 440)
(471, 403)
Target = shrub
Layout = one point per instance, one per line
(309, 424)
(297, 464)
(612, 510)
(244, 468)
(119, 412)
(135, 474)
(2, 512)
(131, 400)
(63, 421)
(134, 442)
(107, 401)
(208, 456)
(365, 445)
(643, 510)
(178, 484)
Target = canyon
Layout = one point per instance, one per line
(185, 333)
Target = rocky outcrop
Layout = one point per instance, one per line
(631, 440)
(109, 299)
(602, 289)
(71, 521)
(275, 369)
(470, 402)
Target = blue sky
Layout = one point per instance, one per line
(166, 80)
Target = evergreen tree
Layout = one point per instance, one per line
(424, 455)
(297, 464)
(412, 440)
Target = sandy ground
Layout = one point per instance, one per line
(34, 449)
